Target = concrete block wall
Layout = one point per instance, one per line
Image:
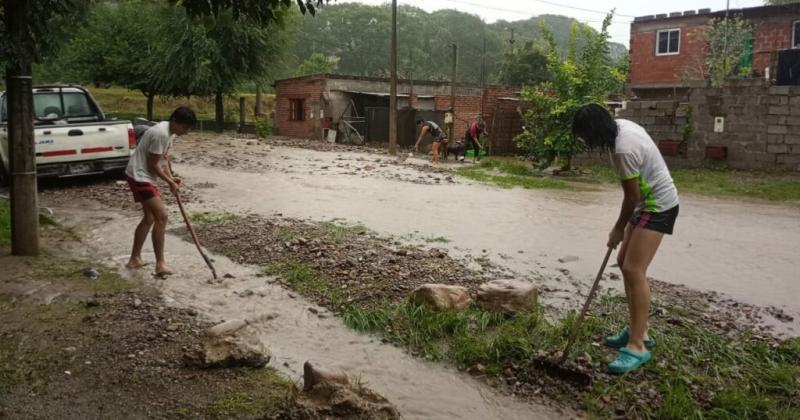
(761, 130)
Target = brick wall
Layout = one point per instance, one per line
(647, 67)
(761, 131)
(311, 91)
(772, 28)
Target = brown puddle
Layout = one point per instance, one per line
(294, 334)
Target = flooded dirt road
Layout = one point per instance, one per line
(745, 250)
(295, 330)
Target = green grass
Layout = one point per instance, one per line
(716, 182)
(5, 223)
(746, 379)
(340, 233)
(306, 280)
(213, 218)
(722, 182)
(510, 173)
(124, 103)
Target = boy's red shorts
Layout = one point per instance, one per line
(143, 191)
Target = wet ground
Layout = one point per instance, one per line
(744, 251)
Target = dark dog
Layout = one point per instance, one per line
(458, 149)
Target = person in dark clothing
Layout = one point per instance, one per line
(473, 137)
(439, 137)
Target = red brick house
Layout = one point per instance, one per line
(356, 109)
(668, 49)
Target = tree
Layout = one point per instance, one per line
(524, 66)
(728, 40)
(317, 64)
(113, 49)
(779, 2)
(26, 35)
(577, 79)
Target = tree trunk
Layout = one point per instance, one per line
(219, 112)
(259, 110)
(150, 98)
(22, 154)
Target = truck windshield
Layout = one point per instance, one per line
(54, 105)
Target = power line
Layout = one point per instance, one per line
(551, 3)
(529, 14)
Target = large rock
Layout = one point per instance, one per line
(441, 296)
(241, 350)
(507, 296)
(327, 393)
(314, 374)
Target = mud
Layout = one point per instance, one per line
(740, 249)
(295, 330)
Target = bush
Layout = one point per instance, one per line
(577, 79)
(263, 127)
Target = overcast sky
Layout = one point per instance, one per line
(592, 13)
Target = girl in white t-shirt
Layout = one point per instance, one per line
(649, 211)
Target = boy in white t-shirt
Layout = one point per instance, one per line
(150, 161)
(649, 211)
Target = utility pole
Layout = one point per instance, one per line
(393, 88)
(22, 155)
(453, 77)
(483, 75)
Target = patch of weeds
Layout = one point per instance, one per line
(261, 393)
(286, 234)
(507, 181)
(720, 182)
(5, 223)
(340, 232)
(437, 239)
(213, 218)
(68, 270)
(306, 280)
(696, 373)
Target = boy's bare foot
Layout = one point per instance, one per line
(162, 271)
(135, 263)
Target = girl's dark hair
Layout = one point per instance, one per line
(184, 116)
(594, 125)
(420, 122)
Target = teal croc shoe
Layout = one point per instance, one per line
(628, 360)
(621, 340)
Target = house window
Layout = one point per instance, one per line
(669, 42)
(296, 110)
(796, 35)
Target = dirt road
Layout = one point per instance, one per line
(745, 250)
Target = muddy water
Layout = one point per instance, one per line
(421, 390)
(744, 250)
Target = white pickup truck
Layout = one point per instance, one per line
(72, 135)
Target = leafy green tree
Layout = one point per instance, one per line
(524, 66)
(728, 40)
(317, 64)
(581, 77)
(113, 49)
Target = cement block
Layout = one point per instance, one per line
(778, 100)
(780, 110)
(777, 148)
(779, 90)
(776, 139)
(792, 140)
(778, 129)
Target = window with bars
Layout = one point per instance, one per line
(296, 110)
(668, 42)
